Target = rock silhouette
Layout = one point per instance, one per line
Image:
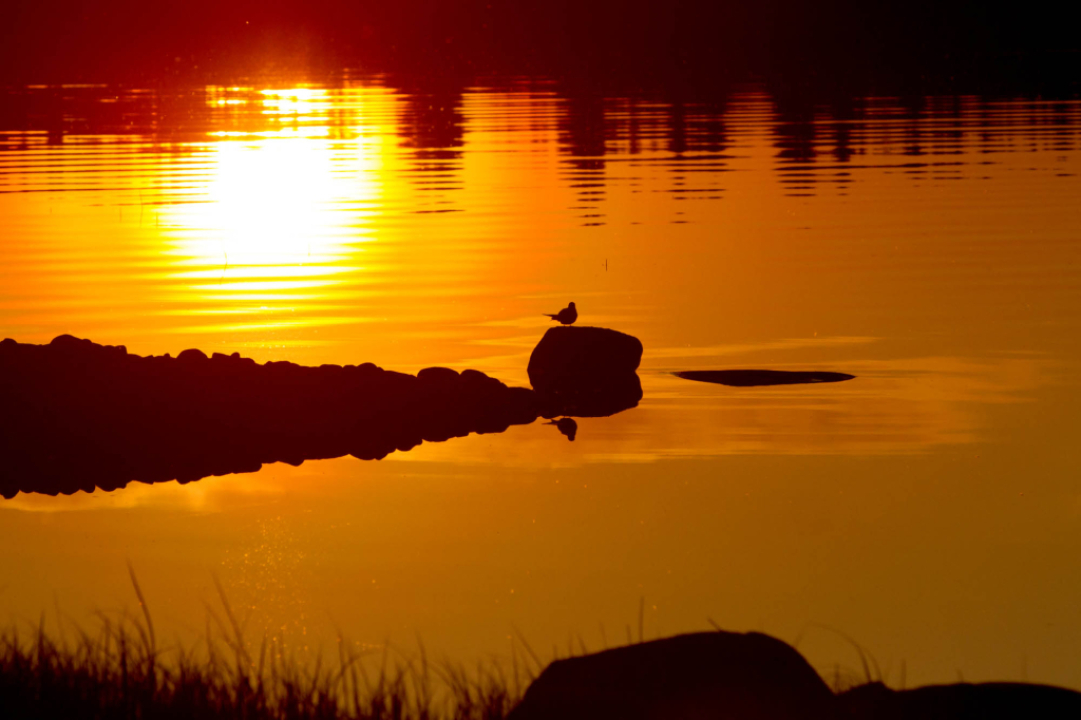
(568, 356)
(700, 675)
(754, 378)
(589, 371)
(750, 676)
(986, 701)
(75, 415)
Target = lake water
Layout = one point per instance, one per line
(931, 246)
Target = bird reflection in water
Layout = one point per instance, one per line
(565, 425)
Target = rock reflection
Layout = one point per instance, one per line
(82, 416)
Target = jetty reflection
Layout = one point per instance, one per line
(83, 416)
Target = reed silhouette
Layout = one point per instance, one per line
(125, 672)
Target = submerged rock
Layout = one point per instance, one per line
(755, 378)
(734, 676)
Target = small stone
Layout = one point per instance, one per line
(192, 355)
(439, 377)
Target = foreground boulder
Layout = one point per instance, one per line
(751, 676)
(734, 676)
(75, 415)
(962, 701)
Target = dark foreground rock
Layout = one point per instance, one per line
(585, 368)
(751, 676)
(75, 415)
(727, 675)
(962, 701)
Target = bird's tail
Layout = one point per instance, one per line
(549, 315)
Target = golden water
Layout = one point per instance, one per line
(930, 508)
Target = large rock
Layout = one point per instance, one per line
(576, 357)
(699, 676)
(586, 371)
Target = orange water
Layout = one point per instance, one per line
(929, 508)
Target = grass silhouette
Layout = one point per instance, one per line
(120, 672)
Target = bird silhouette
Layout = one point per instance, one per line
(566, 316)
(567, 426)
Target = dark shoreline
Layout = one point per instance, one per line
(79, 416)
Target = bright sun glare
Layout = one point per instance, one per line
(279, 223)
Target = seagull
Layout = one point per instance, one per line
(567, 426)
(566, 316)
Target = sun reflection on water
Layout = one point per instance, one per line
(276, 237)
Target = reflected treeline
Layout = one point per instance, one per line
(75, 415)
(822, 142)
(432, 121)
(682, 133)
(432, 126)
(584, 136)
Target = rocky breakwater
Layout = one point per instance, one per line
(75, 415)
(587, 371)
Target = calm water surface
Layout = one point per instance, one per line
(929, 509)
